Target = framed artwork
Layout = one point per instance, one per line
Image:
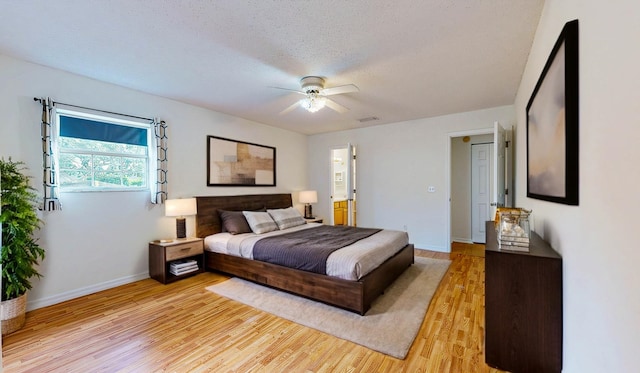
(239, 163)
(552, 125)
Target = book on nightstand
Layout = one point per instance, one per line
(180, 267)
(183, 263)
(182, 271)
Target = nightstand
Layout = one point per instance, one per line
(314, 220)
(182, 253)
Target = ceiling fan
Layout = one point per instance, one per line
(316, 95)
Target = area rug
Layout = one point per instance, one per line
(390, 326)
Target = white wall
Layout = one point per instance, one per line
(99, 240)
(597, 238)
(395, 165)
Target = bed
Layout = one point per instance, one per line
(352, 295)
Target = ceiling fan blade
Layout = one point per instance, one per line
(335, 106)
(290, 108)
(290, 90)
(349, 88)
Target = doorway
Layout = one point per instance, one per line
(459, 215)
(343, 185)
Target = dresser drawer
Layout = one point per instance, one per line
(184, 250)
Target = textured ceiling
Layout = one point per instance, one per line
(410, 59)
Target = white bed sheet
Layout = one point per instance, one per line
(350, 263)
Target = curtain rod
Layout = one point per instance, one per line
(88, 108)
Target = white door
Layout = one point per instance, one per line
(481, 164)
(351, 186)
(499, 141)
(508, 169)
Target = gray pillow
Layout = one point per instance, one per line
(260, 222)
(287, 218)
(233, 222)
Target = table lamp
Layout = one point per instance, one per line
(180, 207)
(308, 197)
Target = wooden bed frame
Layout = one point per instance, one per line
(355, 296)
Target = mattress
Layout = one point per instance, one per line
(350, 263)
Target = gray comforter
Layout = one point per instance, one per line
(308, 249)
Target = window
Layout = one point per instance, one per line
(102, 153)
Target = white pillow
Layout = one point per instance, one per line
(287, 218)
(260, 222)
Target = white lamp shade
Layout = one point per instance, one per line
(308, 196)
(180, 207)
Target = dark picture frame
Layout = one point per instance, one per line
(553, 125)
(239, 163)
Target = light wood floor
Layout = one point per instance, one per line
(181, 327)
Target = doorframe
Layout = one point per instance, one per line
(450, 136)
(331, 199)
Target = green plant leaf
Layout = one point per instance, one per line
(20, 252)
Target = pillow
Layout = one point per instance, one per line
(233, 222)
(260, 222)
(287, 218)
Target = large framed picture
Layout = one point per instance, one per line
(552, 125)
(239, 163)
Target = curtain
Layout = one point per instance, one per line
(50, 202)
(158, 169)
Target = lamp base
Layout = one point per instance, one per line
(181, 228)
(308, 213)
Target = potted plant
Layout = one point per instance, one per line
(20, 251)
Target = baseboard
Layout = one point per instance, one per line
(461, 240)
(58, 298)
(433, 248)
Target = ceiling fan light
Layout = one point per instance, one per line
(313, 104)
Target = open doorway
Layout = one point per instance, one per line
(471, 185)
(497, 178)
(343, 185)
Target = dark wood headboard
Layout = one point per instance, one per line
(208, 221)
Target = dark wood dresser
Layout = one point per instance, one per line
(523, 306)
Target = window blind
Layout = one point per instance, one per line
(93, 130)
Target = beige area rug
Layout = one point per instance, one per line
(390, 326)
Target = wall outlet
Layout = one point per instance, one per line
(404, 227)
(431, 189)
